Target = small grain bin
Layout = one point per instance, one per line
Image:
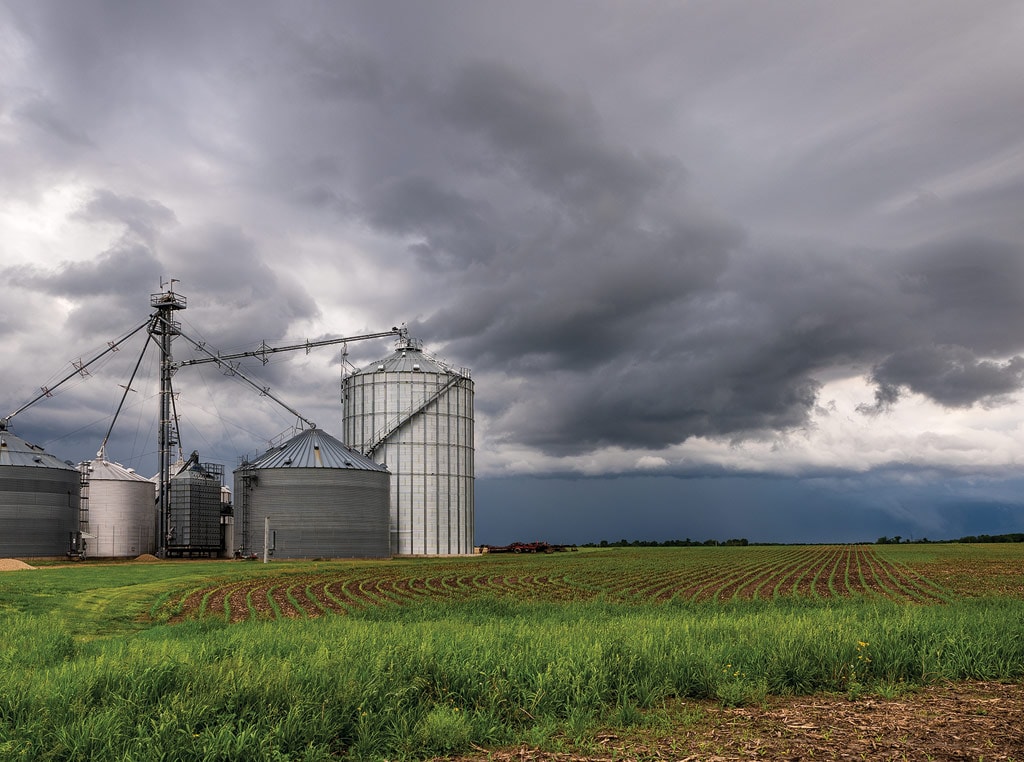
(193, 525)
(117, 510)
(39, 500)
(415, 414)
(324, 500)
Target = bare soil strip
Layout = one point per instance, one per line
(965, 721)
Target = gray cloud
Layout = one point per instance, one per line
(142, 217)
(228, 281)
(952, 376)
(452, 228)
(107, 291)
(117, 270)
(54, 127)
(554, 141)
(968, 292)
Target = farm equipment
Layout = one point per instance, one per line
(527, 547)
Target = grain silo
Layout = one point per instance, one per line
(323, 499)
(415, 414)
(117, 510)
(39, 500)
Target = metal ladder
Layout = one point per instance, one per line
(400, 420)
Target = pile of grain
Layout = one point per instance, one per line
(146, 557)
(13, 564)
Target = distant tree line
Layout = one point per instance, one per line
(687, 543)
(1013, 537)
(743, 541)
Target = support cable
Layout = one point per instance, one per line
(234, 369)
(80, 367)
(128, 388)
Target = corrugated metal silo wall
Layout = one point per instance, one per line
(120, 518)
(38, 510)
(316, 512)
(430, 456)
(195, 511)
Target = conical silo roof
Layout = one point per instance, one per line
(101, 469)
(15, 451)
(314, 448)
(409, 358)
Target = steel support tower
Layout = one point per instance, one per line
(164, 328)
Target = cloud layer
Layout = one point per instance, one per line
(659, 233)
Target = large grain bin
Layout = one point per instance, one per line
(117, 510)
(39, 500)
(415, 414)
(324, 500)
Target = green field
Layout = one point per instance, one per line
(419, 657)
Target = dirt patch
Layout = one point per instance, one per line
(13, 564)
(146, 558)
(955, 722)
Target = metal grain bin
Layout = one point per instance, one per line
(324, 500)
(194, 510)
(117, 510)
(415, 414)
(39, 500)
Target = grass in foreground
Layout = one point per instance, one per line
(86, 672)
(429, 680)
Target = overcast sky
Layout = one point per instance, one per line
(718, 269)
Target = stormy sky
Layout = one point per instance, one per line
(719, 269)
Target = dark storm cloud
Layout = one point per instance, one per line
(744, 354)
(747, 354)
(962, 310)
(453, 227)
(952, 376)
(969, 292)
(639, 318)
(555, 142)
(608, 240)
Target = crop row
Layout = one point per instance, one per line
(766, 573)
(814, 572)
